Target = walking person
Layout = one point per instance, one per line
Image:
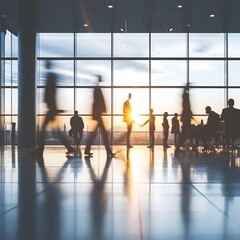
(99, 108)
(186, 117)
(50, 100)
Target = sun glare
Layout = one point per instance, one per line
(136, 118)
(138, 110)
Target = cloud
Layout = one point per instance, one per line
(203, 48)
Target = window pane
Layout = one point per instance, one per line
(169, 45)
(62, 68)
(131, 45)
(139, 134)
(234, 73)
(65, 99)
(166, 100)
(131, 73)
(11, 73)
(11, 101)
(56, 44)
(169, 73)
(41, 106)
(8, 130)
(139, 101)
(206, 73)
(200, 98)
(234, 45)
(84, 100)
(87, 71)
(62, 122)
(234, 94)
(89, 124)
(206, 45)
(11, 45)
(94, 45)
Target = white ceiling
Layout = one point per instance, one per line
(135, 16)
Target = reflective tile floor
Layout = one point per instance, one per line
(140, 194)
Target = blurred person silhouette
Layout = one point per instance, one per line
(99, 108)
(212, 125)
(77, 126)
(165, 130)
(50, 100)
(151, 121)
(186, 116)
(175, 129)
(231, 118)
(127, 117)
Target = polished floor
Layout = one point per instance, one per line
(140, 194)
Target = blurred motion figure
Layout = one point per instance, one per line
(99, 108)
(50, 100)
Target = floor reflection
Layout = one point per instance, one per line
(99, 198)
(141, 194)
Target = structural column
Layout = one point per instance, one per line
(27, 73)
(2, 81)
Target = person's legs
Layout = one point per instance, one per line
(79, 138)
(75, 138)
(129, 130)
(176, 140)
(41, 141)
(152, 139)
(91, 139)
(164, 138)
(65, 141)
(105, 137)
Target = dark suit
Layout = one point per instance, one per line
(175, 130)
(151, 122)
(231, 117)
(212, 124)
(165, 131)
(77, 126)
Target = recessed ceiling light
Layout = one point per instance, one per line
(212, 15)
(188, 25)
(85, 25)
(4, 15)
(179, 6)
(110, 6)
(170, 29)
(121, 30)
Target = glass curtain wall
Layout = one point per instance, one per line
(10, 85)
(153, 67)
